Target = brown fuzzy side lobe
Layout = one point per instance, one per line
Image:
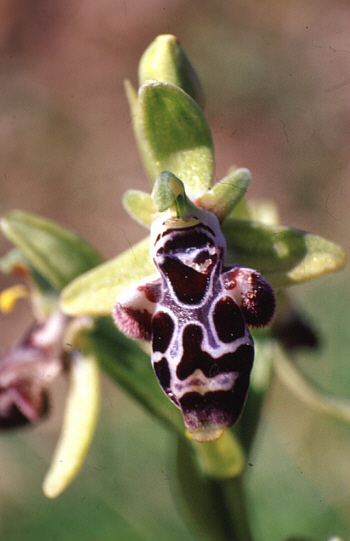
(258, 306)
(132, 322)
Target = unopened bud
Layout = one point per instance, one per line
(166, 61)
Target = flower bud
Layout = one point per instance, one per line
(166, 61)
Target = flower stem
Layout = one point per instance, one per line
(216, 508)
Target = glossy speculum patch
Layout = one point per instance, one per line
(196, 313)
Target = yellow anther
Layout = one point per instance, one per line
(10, 296)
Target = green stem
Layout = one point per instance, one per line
(217, 508)
(249, 423)
(235, 501)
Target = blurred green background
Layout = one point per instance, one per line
(277, 81)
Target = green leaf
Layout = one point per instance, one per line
(222, 198)
(173, 135)
(95, 292)
(140, 206)
(323, 404)
(283, 255)
(166, 61)
(58, 254)
(302, 444)
(297, 461)
(129, 366)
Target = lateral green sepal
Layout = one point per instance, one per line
(284, 256)
(140, 206)
(94, 292)
(223, 197)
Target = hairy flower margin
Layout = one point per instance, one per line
(72, 291)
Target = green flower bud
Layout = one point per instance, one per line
(166, 61)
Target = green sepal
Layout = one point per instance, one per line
(94, 292)
(242, 210)
(222, 198)
(130, 367)
(165, 60)
(56, 253)
(284, 256)
(140, 206)
(173, 135)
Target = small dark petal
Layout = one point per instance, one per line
(294, 332)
